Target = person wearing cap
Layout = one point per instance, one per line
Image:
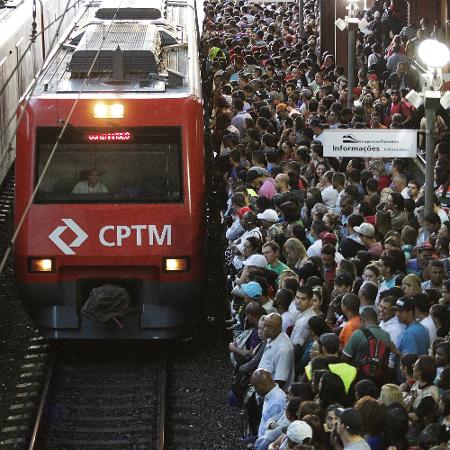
(274, 397)
(271, 251)
(366, 233)
(298, 433)
(349, 427)
(252, 291)
(323, 238)
(415, 338)
(351, 244)
(278, 356)
(252, 263)
(267, 218)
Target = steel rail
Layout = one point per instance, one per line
(162, 407)
(44, 395)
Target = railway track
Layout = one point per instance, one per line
(113, 398)
(106, 397)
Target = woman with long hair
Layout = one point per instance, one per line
(295, 253)
(379, 172)
(439, 314)
(331, 390)
(319, 438)
(411, 285)
(374, 420)
(319, 171)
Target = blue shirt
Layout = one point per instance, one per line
(415, 339)
(274, 404)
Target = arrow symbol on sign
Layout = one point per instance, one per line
(55, 236)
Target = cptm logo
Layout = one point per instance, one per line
(55, 236)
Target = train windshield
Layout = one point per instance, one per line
(134, 165)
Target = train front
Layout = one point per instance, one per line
(112, 245)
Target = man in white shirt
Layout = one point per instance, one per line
(278, 356)
(422, 305)
(329, 194)
(91, 185)
(390, 323)
(303, 301)
(274, 397)
(317, 128)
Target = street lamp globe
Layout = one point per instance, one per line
(434, 53)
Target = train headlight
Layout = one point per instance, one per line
(38, 265)
(176, 264)
(108, 111)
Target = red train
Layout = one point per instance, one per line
(121, 202)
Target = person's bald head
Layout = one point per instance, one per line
(272, 325)
(282, 180)
(262, 381)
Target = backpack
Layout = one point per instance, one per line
(375, 363)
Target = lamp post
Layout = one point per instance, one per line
(435, 55)
(352, 24)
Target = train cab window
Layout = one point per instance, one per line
(138, 165)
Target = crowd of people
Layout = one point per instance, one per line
(339, 283)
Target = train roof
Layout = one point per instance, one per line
(127, 46)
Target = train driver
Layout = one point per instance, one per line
(91, 185)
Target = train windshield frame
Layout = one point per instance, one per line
(104, 165)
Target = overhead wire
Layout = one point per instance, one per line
(55, 146)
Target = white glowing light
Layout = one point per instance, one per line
(434, 53)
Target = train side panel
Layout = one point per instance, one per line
(20, 62)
